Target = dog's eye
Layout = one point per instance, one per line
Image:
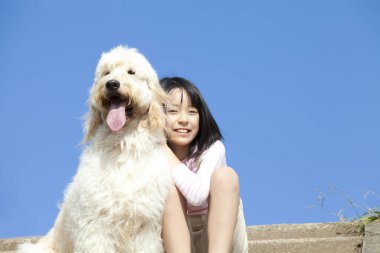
(131, 72)
(106, 73)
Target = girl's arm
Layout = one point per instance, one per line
(175, 233)
(195, 187)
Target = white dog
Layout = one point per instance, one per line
(116, 199)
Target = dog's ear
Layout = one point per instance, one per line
(92, 121)
(156, 115)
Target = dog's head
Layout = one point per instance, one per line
(125, 88)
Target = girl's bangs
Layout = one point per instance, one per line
(193, 95)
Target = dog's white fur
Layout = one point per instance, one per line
(116, 199)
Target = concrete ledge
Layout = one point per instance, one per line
(305, 238)
(307, 245)
(288, 238)
(306, 230)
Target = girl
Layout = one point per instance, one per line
(210, 188)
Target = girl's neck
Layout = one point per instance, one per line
(181, 152)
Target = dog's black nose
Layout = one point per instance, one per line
(112, 85)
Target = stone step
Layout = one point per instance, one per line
(308, 245)
(307, 230)
(282, 238)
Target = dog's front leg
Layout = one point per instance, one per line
(149, 240)
(94, 242)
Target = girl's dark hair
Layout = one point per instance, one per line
(208, 128)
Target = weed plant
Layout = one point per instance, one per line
(363, 213)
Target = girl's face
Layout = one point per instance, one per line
(182, 119)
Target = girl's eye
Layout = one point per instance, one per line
(193, 111)
(131, 72)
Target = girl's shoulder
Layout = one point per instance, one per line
(216, 152)
(218, 144)
(216, 147)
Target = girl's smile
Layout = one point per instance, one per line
(182, 130)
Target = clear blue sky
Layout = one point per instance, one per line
(294, 86)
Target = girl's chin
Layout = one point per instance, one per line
(179, 141)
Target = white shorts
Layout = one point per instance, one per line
(199, 239)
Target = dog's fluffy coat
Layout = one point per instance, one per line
(116, 199)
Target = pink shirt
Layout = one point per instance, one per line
(194, 181)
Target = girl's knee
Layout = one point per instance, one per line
(225, 178)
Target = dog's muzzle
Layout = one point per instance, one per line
(119, 106)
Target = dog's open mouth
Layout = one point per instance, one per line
(120, 109)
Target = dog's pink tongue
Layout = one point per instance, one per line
(116, 117)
